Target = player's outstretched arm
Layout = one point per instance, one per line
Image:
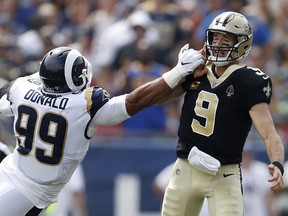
(167, 87)
(151, 93)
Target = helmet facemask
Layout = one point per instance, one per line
(236, 25)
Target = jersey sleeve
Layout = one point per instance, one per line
(113, 112)
(16, 84)
(258, 87)
(10, 89)
(106, 111)
(96, 97)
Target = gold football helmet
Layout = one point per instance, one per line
(235, 24)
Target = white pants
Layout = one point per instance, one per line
(188, 187)
(12, 202)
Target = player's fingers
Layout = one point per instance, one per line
(184, 48)
(277, 180)
(200, 71)
(202, 52)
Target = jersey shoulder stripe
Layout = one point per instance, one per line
(95, 97)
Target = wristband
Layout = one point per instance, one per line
(172, 78)
(279, 165)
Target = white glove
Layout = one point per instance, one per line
(184, 49)
(188, 61)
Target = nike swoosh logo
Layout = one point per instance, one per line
(226, 175)
(185, 63)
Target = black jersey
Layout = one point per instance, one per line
(215, 114)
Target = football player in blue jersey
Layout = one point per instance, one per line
(217, 114)
(56, 112)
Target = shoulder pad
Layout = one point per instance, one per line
(254, 76)
(96, 97)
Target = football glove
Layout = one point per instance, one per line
(188, 61)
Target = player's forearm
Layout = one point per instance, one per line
(263, 122)
(275, 149)
(151, 93)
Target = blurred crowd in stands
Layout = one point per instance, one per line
(130, 42)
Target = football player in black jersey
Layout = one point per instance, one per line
(217, 114)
